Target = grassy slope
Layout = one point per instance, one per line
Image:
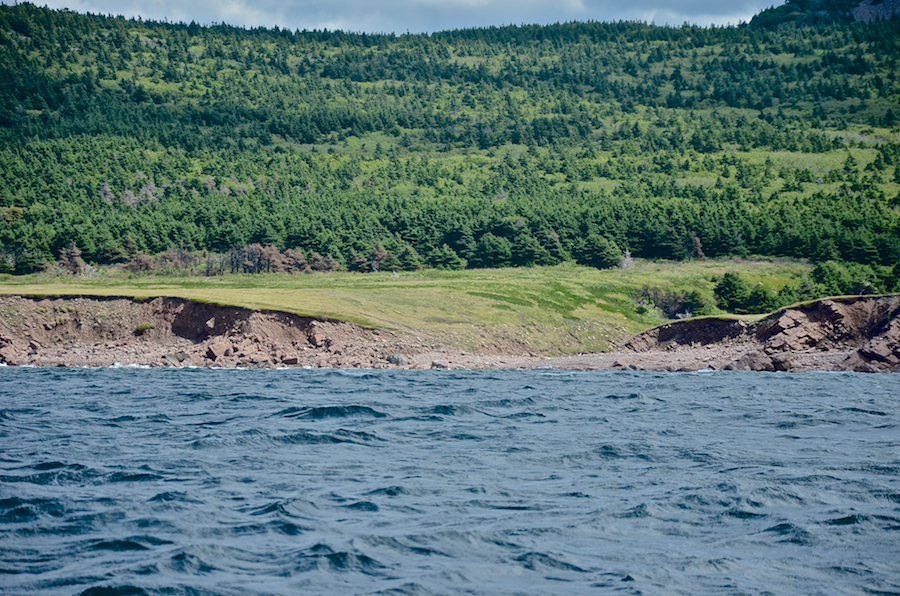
(551, 310)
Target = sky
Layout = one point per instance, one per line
(418, 16)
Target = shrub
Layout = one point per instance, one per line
(445, 258)
(847, 278)
(674, 305)
(732, 292)
(598, 251)
(737, 296)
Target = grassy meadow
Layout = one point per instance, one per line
(563, 309)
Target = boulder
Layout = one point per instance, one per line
(398, 360)
(866, 367)
(858, 362)
(783, 362)
(290, 358)
(787, 320)
(259, 359)
(880, 351)
(318, 339)
(10, 355)
(852, 361)
(755, 361)
(441, 364)
(178, 359)
(777, 344)
(220, 349)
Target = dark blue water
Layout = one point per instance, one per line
(517, 482)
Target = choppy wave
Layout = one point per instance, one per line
(126, 481)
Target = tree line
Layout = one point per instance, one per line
(501, 146)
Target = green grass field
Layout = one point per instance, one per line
(552, 310)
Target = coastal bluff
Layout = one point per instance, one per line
(859, 334)
(866, 329)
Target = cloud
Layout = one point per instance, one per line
(399, 16)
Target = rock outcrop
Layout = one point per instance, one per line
(867, 328)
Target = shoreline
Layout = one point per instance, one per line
(859, 334)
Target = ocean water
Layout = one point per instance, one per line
(123, 481)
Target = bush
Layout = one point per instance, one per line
(675, 305)
(732, 292)
(737, 296)
(847, 278)
(598, 251)
(493, 251)
(892, 283)
(445, 258)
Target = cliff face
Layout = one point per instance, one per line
(858, 334)
(90, 331)
(867, 327)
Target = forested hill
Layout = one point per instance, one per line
(815, 12)
(480, 147)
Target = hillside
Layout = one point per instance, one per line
(512, 146)
(813, 12)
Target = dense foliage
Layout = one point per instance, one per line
(483, 147)
(828, 278)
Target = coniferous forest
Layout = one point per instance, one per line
(122, 139)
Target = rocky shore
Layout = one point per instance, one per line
(860, 334)
(856, 334)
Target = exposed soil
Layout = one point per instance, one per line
(859, 334)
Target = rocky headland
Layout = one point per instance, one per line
(859, 334)
(840, 334)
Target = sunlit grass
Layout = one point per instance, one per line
(549, 310)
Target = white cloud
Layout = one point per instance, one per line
(240, 12)
(400, 16)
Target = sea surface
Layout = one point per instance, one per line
(196, 482)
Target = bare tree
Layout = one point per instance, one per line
(70, 259)
(295, 261)
(141, 263)
(378, 256)
(106, 193)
